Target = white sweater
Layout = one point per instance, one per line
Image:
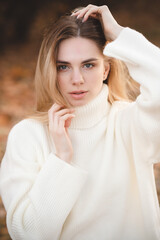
(108, 192)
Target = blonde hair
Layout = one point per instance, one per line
(121, 86)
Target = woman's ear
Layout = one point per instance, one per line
(106, 70)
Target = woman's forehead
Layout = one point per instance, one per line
(78, 48)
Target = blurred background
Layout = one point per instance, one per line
(21, 31)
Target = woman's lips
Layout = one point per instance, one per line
(78, 94)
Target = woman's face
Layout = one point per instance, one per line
(80, 70)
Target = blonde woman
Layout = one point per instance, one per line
(82, 166)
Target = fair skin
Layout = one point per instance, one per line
(81, 71)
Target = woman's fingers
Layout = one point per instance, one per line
(59, 120)
(90, 10)
(53, 123)
(58, 111)
(81, 12)
(57, 114)
(110, 26)
(65, 120)
(55, 107)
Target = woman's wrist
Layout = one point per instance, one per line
(67, 157)
(114, 33)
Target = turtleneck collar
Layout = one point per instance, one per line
(90, 114)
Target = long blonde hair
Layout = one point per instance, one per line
(121, 86)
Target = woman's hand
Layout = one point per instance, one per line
(59, 121)
(111, 28)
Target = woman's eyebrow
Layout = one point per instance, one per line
(85, 61)
(90, 60)
(63, 62)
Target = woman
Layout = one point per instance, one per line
(87, 172)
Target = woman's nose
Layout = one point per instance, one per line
(77, 77)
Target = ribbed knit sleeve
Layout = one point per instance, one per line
(38, 189)
(141, 121)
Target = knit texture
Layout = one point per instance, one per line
(108, 192)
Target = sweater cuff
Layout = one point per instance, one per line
(123, 46)
(62, 166)
(57, 180)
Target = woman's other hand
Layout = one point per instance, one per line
(111, 28)
(59, 121)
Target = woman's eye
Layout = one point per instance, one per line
(88, 65)
(62, 67)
